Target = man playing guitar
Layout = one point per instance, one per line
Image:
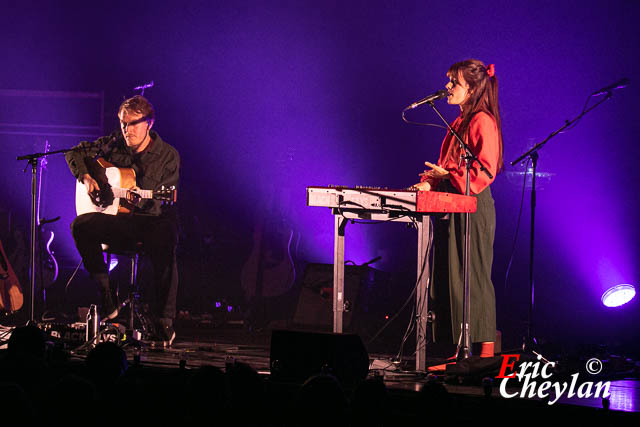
(156, 165)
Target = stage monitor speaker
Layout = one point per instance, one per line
(297, 355)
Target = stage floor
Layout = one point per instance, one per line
(219, 346)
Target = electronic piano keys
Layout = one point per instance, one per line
(384, 200)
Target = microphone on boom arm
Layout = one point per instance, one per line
(433, 97)
(622, 83)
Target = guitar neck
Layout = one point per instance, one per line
(123, 192)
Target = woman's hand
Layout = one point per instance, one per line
(436, 172)
(421, 186)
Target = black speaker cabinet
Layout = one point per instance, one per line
(367, 295)
(297, 355)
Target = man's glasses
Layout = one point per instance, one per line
(125, 125)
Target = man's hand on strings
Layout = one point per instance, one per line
(90, 183)
(133, 195)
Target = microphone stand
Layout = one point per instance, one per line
(529, 342)
(32, 159)
(464, 345)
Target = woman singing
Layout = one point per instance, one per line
(474, 87)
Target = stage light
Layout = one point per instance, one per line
(618, 295)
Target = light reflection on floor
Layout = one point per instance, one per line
(625, 395)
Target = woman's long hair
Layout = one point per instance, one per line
(483, 96)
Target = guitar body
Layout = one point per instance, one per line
(108, 176)
(45, 259)
(118, 192)
(11, 297)
(269, 270)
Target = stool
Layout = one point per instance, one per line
(134, 253)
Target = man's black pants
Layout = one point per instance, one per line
(159, 235)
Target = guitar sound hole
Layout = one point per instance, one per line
(104, 197)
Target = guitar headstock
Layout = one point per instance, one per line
(166, 194)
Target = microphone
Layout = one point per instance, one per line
(622, 83)
(433, 97)
(143, 87)
(376, 259)
(109, 143)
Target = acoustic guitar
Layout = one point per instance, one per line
(269, 271)
(11, 297)
(118, 192)
(45, 259)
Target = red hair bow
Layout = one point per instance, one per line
(491, 70)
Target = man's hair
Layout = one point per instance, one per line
(138, 104)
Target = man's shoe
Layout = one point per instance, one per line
(108, 310)
(163, 334)
(170, 339)
(167, 334)
(161, 340)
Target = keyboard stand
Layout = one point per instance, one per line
(423, 224)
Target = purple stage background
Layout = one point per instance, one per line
(264, 98)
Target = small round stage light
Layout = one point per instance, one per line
(618, 295)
